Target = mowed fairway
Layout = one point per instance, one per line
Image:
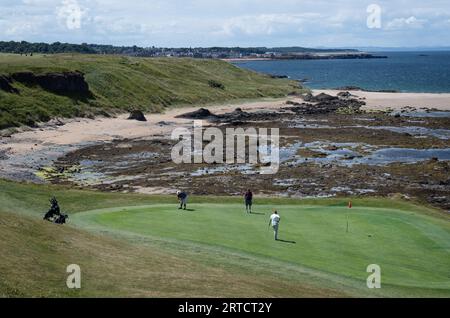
(413, 249)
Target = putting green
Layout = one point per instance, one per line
(412, 249)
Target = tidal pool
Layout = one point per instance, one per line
(424, 114)
(383, 156)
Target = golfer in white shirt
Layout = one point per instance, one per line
(275, 221)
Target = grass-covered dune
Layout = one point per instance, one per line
(137, 245)
(119, 83)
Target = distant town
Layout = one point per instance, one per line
(227, 53)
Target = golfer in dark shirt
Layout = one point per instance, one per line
(248, 201)
(182, 197)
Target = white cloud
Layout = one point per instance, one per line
(231, 22)
(406, 23)
(282, 23)
(266, 24)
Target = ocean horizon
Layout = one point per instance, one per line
(412, 72)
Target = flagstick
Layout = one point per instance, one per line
(347, 223)
(350, 205)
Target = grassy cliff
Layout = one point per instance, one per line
(118, 83)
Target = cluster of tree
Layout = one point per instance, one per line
(44, 48)
(24, 47)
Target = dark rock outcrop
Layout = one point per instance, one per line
(137, 115)
(320, 104)
(201, 113)
(307, 97)
(324, 103)
(322, 97)
(65, 83)
(344, 94)
(5, 85)
(237, 117)
(278, 76)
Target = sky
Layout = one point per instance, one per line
(245, 23)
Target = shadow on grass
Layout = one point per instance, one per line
(256, 213)
(284, 241)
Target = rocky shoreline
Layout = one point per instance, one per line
(330, 146)
(309, 56)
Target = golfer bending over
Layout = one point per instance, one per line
(275, 221)
(182, 197)
(248, 196)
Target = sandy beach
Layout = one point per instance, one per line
(76, 131)
(247, 59)
(396, 101)
(105, 129)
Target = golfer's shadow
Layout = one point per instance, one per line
(189, 210)
(256, 213)
(284, 241)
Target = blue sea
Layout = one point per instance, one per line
(424, 72)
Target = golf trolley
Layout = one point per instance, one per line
(54, 214)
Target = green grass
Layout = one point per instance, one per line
(396, 240)
(120, 83)
(137, 245)
(35, 255)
